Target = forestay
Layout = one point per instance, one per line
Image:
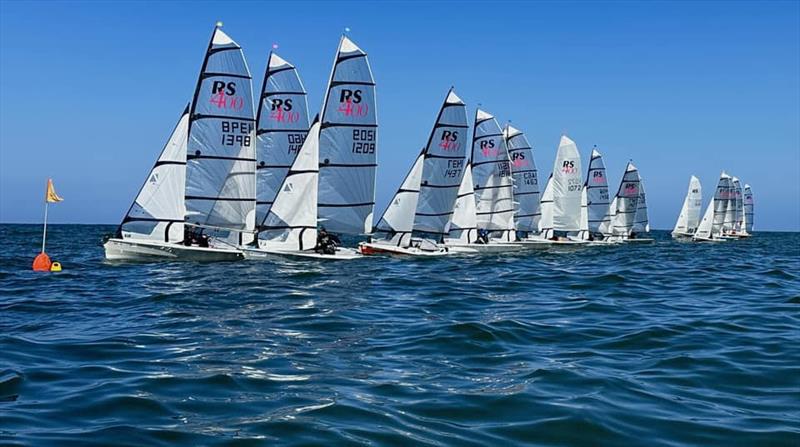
(348, 144)
(397, 221)
(546, 207)
(443, 168)
(641, 221)
(526, 181)
(282, 127)
(689, 218)
(291, 223)
(748, 208)
(157, 213)
(491, 173)
(567, 185)
(220, 166)
(626, 202)
(464, 223)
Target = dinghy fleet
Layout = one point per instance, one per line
(238, 179)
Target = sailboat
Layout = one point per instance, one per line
(594, 202)
(443, 171)
(393, 232)
(282, 125)
(689, 217)
(561, 200)
(348, 144)
(622, 210)
(526, 184)
(487, 224)
(641, 221)
(747, 200)
(198, 201)
(736, 228)
(290, 227)
(710, 227)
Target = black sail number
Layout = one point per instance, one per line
(363, 141)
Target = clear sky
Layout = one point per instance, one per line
(90, 91)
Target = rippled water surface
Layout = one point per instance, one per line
(662, 344)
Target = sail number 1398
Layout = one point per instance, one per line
(363, 141)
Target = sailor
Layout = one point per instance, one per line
(483, 236)
(326, 243)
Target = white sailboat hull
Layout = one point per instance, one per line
(133, 250)
(709, 239)
(376, 248)
(261, 254)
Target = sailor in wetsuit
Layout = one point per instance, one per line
(483, 236)
(326, 243)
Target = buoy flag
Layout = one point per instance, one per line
(51, 195)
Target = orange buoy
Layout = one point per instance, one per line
(41, 263)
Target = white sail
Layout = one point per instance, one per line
(705, 227)
(291, 223)
(567, 185)
(491, 174)
(596, 186)
(157, 212)
(748, 209)
(464, 223)
(282, 127)
(584, 229)
(348, 144)
(641, 221)
(546, 207)
(689, 218)
(738, 220)
(220, 165)
(443, 168)
(526, 181)
(397, 221)
(626, 202)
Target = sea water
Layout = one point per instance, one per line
(662, 344)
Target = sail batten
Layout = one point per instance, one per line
(348, 144)
(443, 167)
(220, 155)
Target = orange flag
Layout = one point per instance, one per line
(51, 195)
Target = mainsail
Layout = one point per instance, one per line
(721, 204)
(567, 185)
(348, 144)
(526, 181)
(641, 221)
(689, 218)
(729, 223)
(596, 194)
(443, 168)
(464, 223)
(748, 209)
(291, 223)
(397, 221)
(491, 173)
(157, 212)
(626, 202)
(546, 206)
(282, 127)
(738, 220)
(220, 165)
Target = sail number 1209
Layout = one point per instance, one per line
(363, 141)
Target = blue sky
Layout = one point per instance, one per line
(90, 91)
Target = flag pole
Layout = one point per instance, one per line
(44, 232)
